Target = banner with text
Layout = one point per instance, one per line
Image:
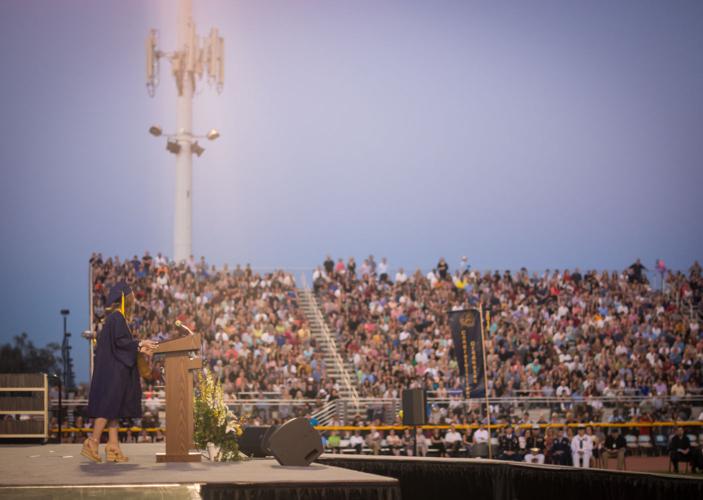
(468, 349)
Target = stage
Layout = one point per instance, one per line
(59, 471)
(480, 479)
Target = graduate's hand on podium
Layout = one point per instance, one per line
(147, 346)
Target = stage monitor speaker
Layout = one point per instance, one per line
(296, 443)
(254, 441)
(413, 406)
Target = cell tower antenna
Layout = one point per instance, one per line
(193, 58)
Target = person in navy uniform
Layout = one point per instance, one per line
(115, 390)
(561, 449)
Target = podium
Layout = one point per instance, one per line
(179, 397)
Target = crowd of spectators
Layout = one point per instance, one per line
(256, 338)
(579, 338)
(575, 339)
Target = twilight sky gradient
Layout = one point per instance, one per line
(545, 134)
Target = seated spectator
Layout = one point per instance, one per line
(453, 441)
(561, 449)
(333, 442)
(679, 448)
(357, 442)
(422, 443)
(394, 442)
(614, 447)
(480, 435)
(581, 449)
(408, 443)
(509, 445)
(534, 446)
(437, 442)
(373, 441)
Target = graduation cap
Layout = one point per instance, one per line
(116, 292)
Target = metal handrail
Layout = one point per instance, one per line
(689, 398)
(333, 345)
(325, 414)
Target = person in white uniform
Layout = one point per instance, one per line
(581, 449)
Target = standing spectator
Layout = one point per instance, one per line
(443, 269)
(581, 449)
(400, 276)
(614, 447)
(464, 266)
(329, 266)
(351, 267)
(635, 274)
(383, 270)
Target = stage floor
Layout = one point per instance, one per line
(36, 471)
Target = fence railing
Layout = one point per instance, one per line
(387, 410)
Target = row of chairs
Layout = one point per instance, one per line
(643, 443)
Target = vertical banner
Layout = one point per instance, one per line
(468, 349)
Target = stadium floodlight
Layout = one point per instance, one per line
(195, 58)
(197, 149)
(173, 147)
(155, 130)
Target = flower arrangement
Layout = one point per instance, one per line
(216, 427)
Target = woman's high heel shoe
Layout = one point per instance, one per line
(89, 451)
(114, 454)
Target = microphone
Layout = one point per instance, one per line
(181, 325)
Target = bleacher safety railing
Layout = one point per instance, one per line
(247, 407)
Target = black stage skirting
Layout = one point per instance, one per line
(440, 479)
(285, 492)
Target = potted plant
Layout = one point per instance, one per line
(217, 429)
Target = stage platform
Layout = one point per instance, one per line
(444, 478)
(59, 471)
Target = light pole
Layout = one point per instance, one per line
(68, 379)
(193, 57)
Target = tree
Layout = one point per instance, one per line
(25, 357)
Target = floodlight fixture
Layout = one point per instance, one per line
(197, 149)
(173, 147)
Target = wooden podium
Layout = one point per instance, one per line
(179, 397)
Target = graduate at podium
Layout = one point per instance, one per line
(115, 390)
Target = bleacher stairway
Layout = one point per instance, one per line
(335, 365)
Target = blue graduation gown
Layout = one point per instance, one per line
(115, 391)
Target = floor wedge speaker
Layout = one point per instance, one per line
(254, 440)
(296, 443)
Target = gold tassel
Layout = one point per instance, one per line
(122, 305)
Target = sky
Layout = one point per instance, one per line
(545, 134)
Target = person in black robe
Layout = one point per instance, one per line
(115, 390)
